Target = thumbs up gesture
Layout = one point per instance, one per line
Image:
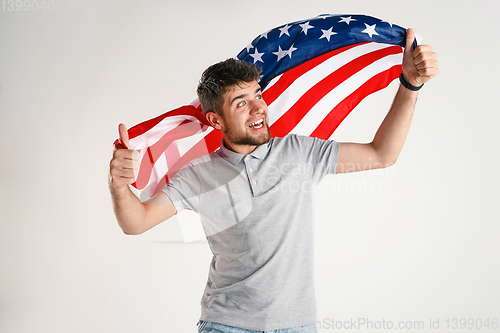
(419, 64)
(122, 142)
(125, 162)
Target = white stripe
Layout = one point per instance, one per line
(319, 111)
(272, 82)
(301, 85)
(142, 152)
(152, 136)
(160, 169)
(195, 103)
(179, 147)
(149, 138)
(187, 143)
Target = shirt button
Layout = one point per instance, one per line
(251, 170)
(247, 158)
(254, 182)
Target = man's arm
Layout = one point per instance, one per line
(133, 216)
(419, 66)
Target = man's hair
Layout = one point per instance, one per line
(217, 79)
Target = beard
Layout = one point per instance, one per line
(245, 139)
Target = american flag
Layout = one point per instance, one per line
(314, 72)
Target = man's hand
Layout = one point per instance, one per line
(125, 162)
(419, 65)
(133, 216)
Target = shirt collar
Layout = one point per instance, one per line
(260, 152)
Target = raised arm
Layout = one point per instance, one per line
(133, 216)
(419, 66)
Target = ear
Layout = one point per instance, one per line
(214, 119)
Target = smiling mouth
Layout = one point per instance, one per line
(257, 124)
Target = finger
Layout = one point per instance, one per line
(423, 50)
(122, 130)
(123, 164)
(119, 180)
(429, 57)
(126, 156)
(431, 63)
(428, 72)
(124, 173)
(121, 175)
(131, 165)
(123, 168)
(410, 37)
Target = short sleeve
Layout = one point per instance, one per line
(184, 189)
(321, 154)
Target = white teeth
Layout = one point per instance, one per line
(256, 123)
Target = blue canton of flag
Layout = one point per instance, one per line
(292, 44)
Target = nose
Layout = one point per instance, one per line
(257, 107)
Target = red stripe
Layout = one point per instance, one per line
(207, 145)
(297, 112)
(330, 123)
(273, 92)
(183, 130)
(173, 155)
(186, 110)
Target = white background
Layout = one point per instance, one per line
(414, 242)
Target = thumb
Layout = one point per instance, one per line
(410, 38)
(122, 130)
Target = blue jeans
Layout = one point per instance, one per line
(211, 327)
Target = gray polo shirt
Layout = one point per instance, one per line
(257, 212)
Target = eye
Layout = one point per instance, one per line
(258, 97)
(242, 103)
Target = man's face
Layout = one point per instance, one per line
(244, 122)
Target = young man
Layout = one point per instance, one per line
(254, 196)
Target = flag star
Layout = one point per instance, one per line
(305, 27)
(264, 35)
(257, 56)
(280, 53)
(284, 30)
(324, 16)
(290, 50)
(327, 33)
(249, 46)
(370, 30)
(346, 19)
